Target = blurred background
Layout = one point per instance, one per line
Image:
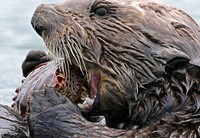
(17, 38)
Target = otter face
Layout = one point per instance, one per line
(119, 45)
(89, 34)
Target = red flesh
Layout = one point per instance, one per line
(95, 80)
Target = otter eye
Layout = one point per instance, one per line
(101, 11)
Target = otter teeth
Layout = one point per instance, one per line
(87, 103)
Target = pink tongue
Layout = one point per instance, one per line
(94, 84)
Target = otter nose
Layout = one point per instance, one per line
(37, 27)
(39, 20)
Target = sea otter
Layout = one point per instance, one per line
(140, 60)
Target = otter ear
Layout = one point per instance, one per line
(174, 58)
(176, 63)
(194, 68)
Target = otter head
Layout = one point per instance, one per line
(119, 45)
(90, 34)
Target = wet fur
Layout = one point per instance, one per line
(148, 55)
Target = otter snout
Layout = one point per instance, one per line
(50, 20)
(44, 19)
(39, 20)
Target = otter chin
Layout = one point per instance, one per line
(140, 59)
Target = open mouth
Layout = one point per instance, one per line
(92, 102)
(80, 89)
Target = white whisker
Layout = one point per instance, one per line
(76, 47)
(71, 49)
(66, 49)
(77, 52)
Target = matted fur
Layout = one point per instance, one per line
(147, 54)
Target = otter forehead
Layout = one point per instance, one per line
(76, 5)
(85, 6)
(87, 3)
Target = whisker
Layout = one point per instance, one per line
(67, 56)
(77, 53)
(74, 39)
(77, 49)
(71, 50)
(64, 49)
(66, 63)
(63, 67)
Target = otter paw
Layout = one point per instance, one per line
(34, 58)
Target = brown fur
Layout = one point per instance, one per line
(147, 55)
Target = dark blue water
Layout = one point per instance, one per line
(17, 37)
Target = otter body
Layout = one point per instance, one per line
(140, 60)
